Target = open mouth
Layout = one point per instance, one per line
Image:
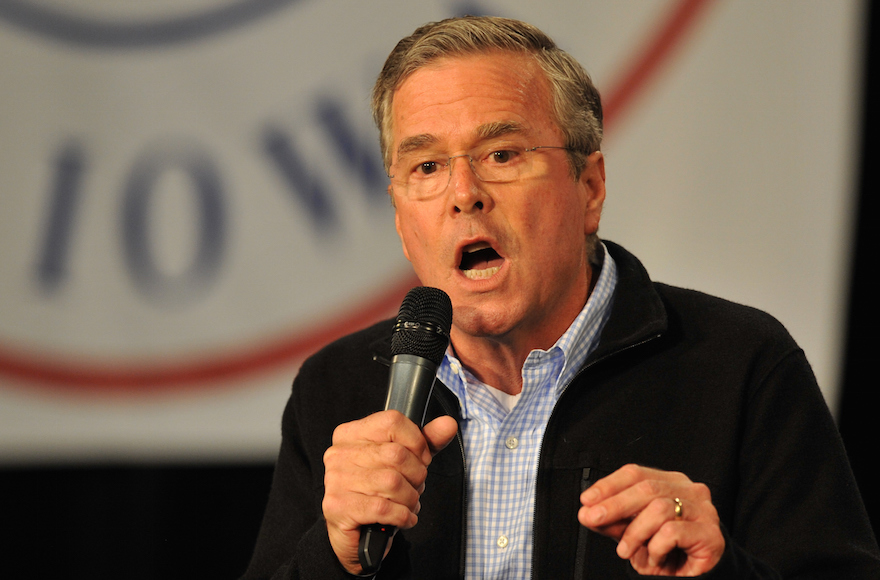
(480, 261)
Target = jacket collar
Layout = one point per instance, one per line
(637, 312)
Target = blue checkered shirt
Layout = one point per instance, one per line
(501, 447)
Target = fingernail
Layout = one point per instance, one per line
(623, 550)
(597, 514)
(591, 495)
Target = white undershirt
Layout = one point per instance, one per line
(507, 401)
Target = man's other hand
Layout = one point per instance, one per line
(664, 523)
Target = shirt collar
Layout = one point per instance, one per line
(582, 336)
(575, 344)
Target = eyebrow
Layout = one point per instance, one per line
(415, 143)
(499, 129)
(485, 132)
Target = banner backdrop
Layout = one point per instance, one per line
(192, 200)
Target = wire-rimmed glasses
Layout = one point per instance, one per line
(421, 176)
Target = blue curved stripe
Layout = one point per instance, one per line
(91, 32)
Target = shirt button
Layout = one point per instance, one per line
(502, 541)
(511, 442)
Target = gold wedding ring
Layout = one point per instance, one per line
(678, 506)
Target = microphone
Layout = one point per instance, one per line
(418, 342)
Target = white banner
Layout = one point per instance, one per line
(192, 201)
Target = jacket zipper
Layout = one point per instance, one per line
(580, 558)
(464, 494)
(584, 369)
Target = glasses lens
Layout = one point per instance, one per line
(499, 163)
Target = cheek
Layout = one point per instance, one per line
(413, 232)
(547, 218)
(416, 241)
(555, 228)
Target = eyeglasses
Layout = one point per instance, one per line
(421, 177)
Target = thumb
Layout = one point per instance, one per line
(439, 432)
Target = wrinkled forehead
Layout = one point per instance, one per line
(485, 95)
(486, 132)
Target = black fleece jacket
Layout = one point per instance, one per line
(680, 381)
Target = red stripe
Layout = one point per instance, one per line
(142, 377)
(655, 52)
(67, 374)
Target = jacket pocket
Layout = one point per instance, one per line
(580, 563)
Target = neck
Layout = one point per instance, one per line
(498, 360)
(494, 362)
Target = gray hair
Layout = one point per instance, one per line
(576, 102)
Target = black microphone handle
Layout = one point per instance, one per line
(410, 383)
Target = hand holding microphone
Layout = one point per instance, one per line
(376, 468)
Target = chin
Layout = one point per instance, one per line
(481, 322)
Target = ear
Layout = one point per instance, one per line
(592, 180)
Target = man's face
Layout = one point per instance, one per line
(511, 256)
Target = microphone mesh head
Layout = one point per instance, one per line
(423, 324)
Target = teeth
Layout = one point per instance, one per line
(481, 274)
(477, 247)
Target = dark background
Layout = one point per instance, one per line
(200, 521)
(857, 418)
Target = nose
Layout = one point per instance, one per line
(468, 189)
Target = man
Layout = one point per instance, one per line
(606, 426)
